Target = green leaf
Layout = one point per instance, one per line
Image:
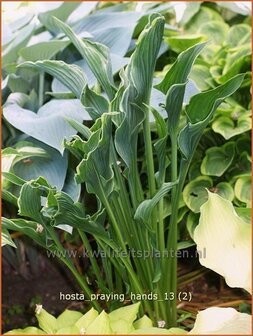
(71, 75)
(48, 124)
(100, 326)
(243, 190)
(138, 79)
(222, 233)
(245, 214)
(200, 111)
(180, 70)
(144, 210)
(64, 211)
(28, 228)
(238, 35)
(86, 319)
(95, 169)
(94, 103)
(26, 331)
(47, 322)
(96, 55)
(229, 128)
(200, 75)
(159, 331)
(72, 330)
(195, 193)
(183, 42)
(52, 166)
(18, 84)
(6, 238)
(215, 31)
(128, 313)
(143, 322)
(62, 13)
(68, 318)
(42, 50)
(173, 105)
(218, 159)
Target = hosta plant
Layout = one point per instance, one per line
(137, 202)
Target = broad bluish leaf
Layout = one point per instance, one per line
(10, 53)
(62, 13)
(48, 125)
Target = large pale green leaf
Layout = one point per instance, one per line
(218, 159)
(96, 55)
(49, 124)
(222, 233)
(70, 75)
(200, 111)
(180, 70)
(221, 321)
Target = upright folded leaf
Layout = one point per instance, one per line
(96, 55)
(138, 80)
(95, 169)
(71, 75)
(180, 70)
(200, 111)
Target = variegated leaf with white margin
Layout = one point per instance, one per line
(221, 321)
(226, 239)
